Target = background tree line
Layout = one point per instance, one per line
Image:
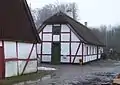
(110, 36)
(42, 14)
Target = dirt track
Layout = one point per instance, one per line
(93, 73)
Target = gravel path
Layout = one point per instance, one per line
(93, 73)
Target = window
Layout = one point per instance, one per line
(87, 50)
(92, 50)
(56, 30)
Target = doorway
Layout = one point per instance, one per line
(55, 59)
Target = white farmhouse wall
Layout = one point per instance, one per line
(15, 65)
(65, 49)
(38, 48)
(65, 45)
(92, 53)
(46, 58)
(31, 67)
(10, 52)
(11, 68)
(74, 47)
(10, 49)
(74, 37)
(24, 51)
(76, 59)
(47, 37)
(65, 59)
(65, 28)
(47, 28)
(65, 37)
(56, 38)
(46, 48)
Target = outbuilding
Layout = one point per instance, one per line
(18, 39)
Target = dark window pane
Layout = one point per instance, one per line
(56, 30)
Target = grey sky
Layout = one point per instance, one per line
(95, 12)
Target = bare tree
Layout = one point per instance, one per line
(49, 10)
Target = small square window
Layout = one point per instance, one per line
(56, 30)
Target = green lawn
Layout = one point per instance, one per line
(26, 77)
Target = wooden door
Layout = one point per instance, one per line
(55, 53)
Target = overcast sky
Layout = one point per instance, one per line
(95, 12)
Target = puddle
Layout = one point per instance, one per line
(35, 82)
(39, 80)
(46, 77)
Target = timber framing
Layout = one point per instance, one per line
(76, 41)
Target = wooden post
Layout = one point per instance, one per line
(76, 52)
(2, 62)
(97, 53)
(82, 52)
(70, 46)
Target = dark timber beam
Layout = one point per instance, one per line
(76, 52)
(82, 52)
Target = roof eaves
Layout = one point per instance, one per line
(31, 21)
(99, 43)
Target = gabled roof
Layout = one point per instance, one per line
(16, 22)
(81, 30)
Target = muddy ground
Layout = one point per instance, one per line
(94, 73)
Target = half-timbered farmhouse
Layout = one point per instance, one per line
(18, 39)
(64, 40)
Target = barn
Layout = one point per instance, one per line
(18, 39)
(64, 40)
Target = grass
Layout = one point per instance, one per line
(26, 77)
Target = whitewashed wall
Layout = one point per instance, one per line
(12, 68)
(24, 50)
(92, 53)
(56, 38)
(89, 58)
(47, 37)
(31, 67)
(65, 51)
(46, 58)
(46, 50)
(65, 28)
(10, 52)
(66, 45)
(74, 37)
(47, 28)
(76, 59)
(38, 48)
(65, 59)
